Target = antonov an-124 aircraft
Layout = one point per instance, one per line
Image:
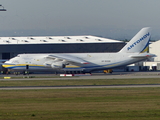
(134, 51)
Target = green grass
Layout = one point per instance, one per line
(81, 104)
(79, 82)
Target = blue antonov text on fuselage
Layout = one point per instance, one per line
(138, 41)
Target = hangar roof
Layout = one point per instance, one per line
(54, 39)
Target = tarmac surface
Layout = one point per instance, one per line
(75, 87)
(116, 75)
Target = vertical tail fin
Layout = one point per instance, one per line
(139, 43)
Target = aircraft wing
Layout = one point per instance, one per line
(68, 58)
(143, 55)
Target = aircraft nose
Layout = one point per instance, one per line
(6, 64)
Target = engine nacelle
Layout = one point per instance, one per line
(57, 65)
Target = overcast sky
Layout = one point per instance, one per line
(116, 19)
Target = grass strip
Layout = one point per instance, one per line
(81, 104)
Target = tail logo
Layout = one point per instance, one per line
(138, 41)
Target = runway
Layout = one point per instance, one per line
(116, 75)
(75, 87)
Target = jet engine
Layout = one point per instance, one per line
(57, 65)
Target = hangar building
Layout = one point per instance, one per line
(154, 49)
(11, 46)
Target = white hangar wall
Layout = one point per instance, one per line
(154, 48)
(11, 46)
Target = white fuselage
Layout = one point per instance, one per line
(134, 51)
(96, 61)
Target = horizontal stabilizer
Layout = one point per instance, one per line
(142, 56)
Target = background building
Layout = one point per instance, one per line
(11, 46)
(154, 48)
